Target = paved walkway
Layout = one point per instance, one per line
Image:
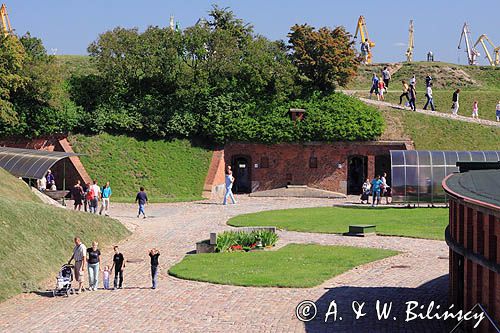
(419, 273)
(447, 115)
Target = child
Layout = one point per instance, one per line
(381, 89)
(474, 111)
(106, 277)
(154, 254)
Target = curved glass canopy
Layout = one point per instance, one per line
(29, 163)
(417, 174)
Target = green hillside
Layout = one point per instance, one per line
(36, 239)
(169, 170)
(434, 133)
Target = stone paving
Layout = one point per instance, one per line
(418, 273)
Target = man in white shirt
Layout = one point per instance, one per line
(430, 100)
(386, 76)
(97, 195)
(80, 256)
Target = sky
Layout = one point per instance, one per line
(69, 26)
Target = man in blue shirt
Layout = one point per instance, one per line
(376, 189)
(105, 194)
(142, 199)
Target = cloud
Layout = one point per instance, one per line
(399, 44)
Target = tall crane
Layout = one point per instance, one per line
(496, 50)
(411, 46)
(6, 28)
(365, 40)
(472, 53)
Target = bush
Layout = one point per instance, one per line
(240, 240)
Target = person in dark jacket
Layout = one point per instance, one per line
(142, 199)
(455, 106)
(413, 97)
(154, 254)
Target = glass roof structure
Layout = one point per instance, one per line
(29, 163)
(417, 174)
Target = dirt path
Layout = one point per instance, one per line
(418, 273)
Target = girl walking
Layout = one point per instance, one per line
(475, 110)
(229, 186)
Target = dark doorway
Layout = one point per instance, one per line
(241, 172)
(356, 174)
(383, 164)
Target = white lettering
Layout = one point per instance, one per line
(331, 312)
(385, 311)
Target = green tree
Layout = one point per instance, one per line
(325, 58)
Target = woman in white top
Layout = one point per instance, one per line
(229, 180)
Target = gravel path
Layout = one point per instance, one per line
(418, 273)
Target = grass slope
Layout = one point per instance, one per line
(36, 239)
(293, 266)
(433, 133)
(419, 222)
(169, 170)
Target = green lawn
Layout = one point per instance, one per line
(36, 238)
(169, 170)
(293, 266)
(419, 222)
(433, 133)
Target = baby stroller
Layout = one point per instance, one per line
(64, 279)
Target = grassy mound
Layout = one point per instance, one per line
(36, 239)
(293, 266)
(433, 133)
(419, 223)
(169, 170)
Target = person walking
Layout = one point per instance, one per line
(365, 196)
(141, 198)
(365, 51)
(456, 105)
(80, 256)
(229, 181)
(376, 188)
(374, 88)
(475, 110)
(87, 197)
(97, 195)
(498, 111)
(119, 266)
(106, 195)
(386, 76)
(413, 97)
(77, 194)
(413, 80)
(430, 100)
(154, 254)
(381, 90)
(94, 259)
(405, 93)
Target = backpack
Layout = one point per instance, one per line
(91, 194)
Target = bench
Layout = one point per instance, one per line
(361, 230)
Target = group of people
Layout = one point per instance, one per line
(90, 259)
(379, 87)
(47, 183)
(89, 196)
(376, 189)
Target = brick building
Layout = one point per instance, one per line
(339, 167)
(473, 236)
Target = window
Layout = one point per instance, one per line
(313, 162)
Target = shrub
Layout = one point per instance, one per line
(240, 240)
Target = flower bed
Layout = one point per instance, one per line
(230, 241)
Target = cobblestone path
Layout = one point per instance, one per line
(418, 273)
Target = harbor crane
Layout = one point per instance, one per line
(472, 53)
(6, 28)
(496, 50)
(411, 45)
(366, 43)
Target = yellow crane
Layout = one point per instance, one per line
(496, 50)
(6, 28)
(366, 43)
(411, 46)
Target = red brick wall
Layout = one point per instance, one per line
(290, 162)
(477, 229)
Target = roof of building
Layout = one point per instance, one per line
(478, 186)
(29, 163)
